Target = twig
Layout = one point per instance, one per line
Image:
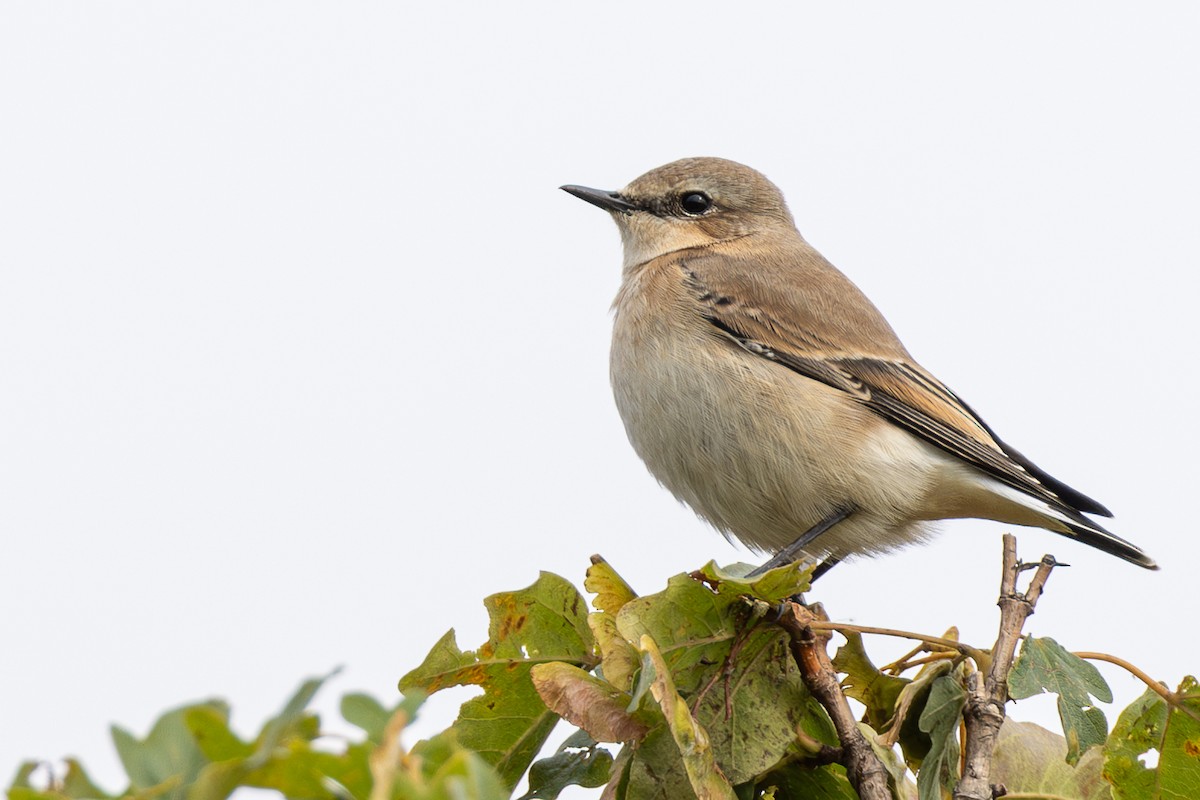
(864, 769)
(1163, 691)
(979, 656)
(986, 697)
(1173, 699)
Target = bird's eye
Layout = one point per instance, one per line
(695, 202)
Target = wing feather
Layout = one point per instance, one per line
(861, 356)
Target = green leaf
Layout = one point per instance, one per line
(77, 783)
(25, 770)
(292, 721)
(579, 761)
(694, 625)
(192, 753)
(905, 728)
(799, 782)
(281, 757)
(508, 724)
(1044, 665)
(620, 775)
(773, 586)
(364, 711)
(168, 753)
(655, 770)
(448, 772)
(210, 730)
(1032, 760)
(1149, 723)
(74, 785)
(940, 719)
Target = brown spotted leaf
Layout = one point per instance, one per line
(1151, 729)
(734, 670)
(695, 748)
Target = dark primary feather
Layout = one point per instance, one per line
(1072, 497)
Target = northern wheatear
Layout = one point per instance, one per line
(763, 389)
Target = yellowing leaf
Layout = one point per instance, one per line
(618, 658)
(865, 683)
(610, 589)
(773, 586)
(690, 737)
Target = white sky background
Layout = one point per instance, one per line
(303, 353)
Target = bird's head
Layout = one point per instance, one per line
(693, 202)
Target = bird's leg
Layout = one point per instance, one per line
(791, 553)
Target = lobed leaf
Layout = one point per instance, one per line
(865, 683)
(579, 761)
(1149, 725)
(545, 622)
(773, 586)
(168, 753)
(618, 658)
(610, 589)
(1045, 665)
(735, 671)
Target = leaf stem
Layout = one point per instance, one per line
(920, 662)
(937, 641)
(1173, 699)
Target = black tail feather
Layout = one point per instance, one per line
(1088, 532)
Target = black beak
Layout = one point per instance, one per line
(609, 201)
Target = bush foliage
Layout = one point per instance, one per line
(690, 692)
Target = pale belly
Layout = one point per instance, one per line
(764, 453)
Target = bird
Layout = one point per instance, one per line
(763, 389)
